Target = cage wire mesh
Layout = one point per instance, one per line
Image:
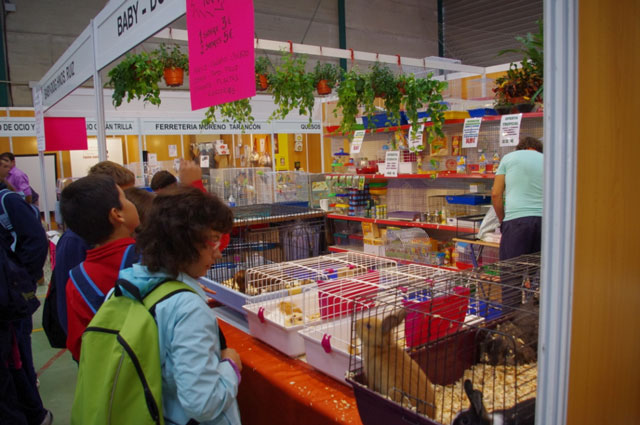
(414, 347)
(244, 186)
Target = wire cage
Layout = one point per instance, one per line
(291, 187)
(413, 349)
(242, 186)
(328, 340)
(277, 319)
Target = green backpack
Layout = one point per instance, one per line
(120, 379)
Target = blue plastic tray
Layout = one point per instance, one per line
(469, 199)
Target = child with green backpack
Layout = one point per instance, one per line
(152, 353)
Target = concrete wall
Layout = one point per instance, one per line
(39, 31)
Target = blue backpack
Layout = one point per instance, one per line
(87, 288)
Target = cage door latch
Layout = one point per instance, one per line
(326, 343)
(261, 314)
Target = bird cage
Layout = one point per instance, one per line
(242, 186)
(276, 320)
(422, 348)
(327, 341)
(412, 244)
(291, 187)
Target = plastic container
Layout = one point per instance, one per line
(469, 199)
(326, 349)
(383, 120)
(456, 115)
(481, 112)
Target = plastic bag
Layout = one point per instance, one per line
(489, 224)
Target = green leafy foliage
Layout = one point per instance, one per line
(292, 87)
(350, 97)
(425, 93)
(136, 77)
(238, 112)
(327, 71)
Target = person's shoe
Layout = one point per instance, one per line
(48, 418)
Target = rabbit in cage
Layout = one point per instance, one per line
(522, 413)
(515, 341)
(388, 368)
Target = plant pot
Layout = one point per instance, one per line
(525, 107)
(262, 83)
(503, 109)
(173, 77)
(401, 88)
(323, 88)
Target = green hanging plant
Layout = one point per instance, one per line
(237, 112)
(351, 94)
(424, 93)
(262, 73)
(327, 72)
(292, 87)
(136, 77)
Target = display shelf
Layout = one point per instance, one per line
(440, 175)
(360, 250)
(401, 223)
(408, 126)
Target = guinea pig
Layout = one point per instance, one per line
(521, 414)
(388, 368)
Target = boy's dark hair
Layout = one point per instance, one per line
(8, 155)
(162, 179)
(85, 206)
(142, 200)
(529, 143)
(176, 228)
(121, 175)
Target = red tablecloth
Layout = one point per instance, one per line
(276, 389)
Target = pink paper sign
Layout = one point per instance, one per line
(65, 134)
(221, 51)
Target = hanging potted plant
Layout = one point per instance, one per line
(292, 87)
(425, 94)
(262, 76)
(326, 77)
(237, 112)
(174, 64)
(351, 92)
(381, 83)
(136, 77)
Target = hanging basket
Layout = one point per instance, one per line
(323, 88)
(173, 77)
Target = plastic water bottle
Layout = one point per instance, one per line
(232, 201)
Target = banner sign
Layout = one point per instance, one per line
(65, 134)
(470, 132)
(358, 138)
(510, 129)
(221, 51)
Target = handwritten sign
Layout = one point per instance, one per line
(470, 132)
(391, 161)
(415, 140)
(510, 129)
(358, 137)
(221, 51)
(204, 161)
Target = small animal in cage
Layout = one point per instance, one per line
(293, 313)
(388, 368)
(521, 414)
(515, 341)
(239, 279)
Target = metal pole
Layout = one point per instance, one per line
(306, 148)
(322, 150)
(484, 84)
(140, 148)
(97, 84)
(43, 179)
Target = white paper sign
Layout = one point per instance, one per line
(470, 132)
(391, 163)
(204, 161)
(416, 142)
(152, 159)
(510, 129)
(39, 111)
(358, 137)
(173, 151)
(222, 149)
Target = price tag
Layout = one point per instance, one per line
(173, 151)
(152, 158)
(391, 163)
(510, 129)
(358, 138)
(416, 142)
(470, 132)
(204, 161)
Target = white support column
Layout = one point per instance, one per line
(558, 231)
(61, 164)
(97, 84)
(322, 150)
(306, 148)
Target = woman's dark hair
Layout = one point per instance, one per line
(86, 204)
(176, 228)
(529, 143)
(162, 179)
(142, 199)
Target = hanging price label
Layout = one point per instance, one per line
(391, 163)
(470, 132)
(415, 141)
(510, 129)
(358, 138)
